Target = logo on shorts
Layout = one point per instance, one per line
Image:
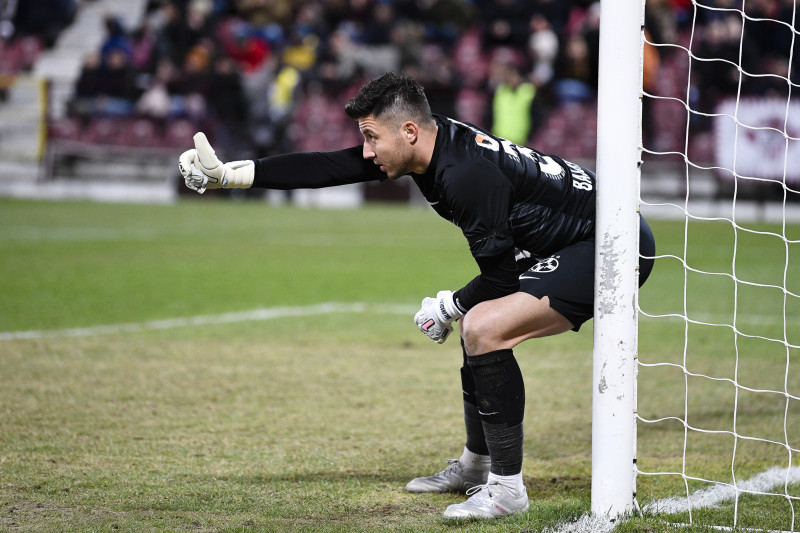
(544, 266)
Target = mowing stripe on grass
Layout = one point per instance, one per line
(760, 484)
(264, 313)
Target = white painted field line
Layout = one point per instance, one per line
(710, 497)
(264, 313)
(588, 523)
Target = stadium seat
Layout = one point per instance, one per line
(141, 132)
(469, 60)
(178, 134)
(103, 130)
(471, 105)
(67, 128)
(28, 49)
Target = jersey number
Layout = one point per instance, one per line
(547, 165)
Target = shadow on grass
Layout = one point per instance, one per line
(560, 486)
(320, 477)
(538, 487)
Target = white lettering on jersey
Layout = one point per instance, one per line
(510, 149)
(527, 152)
(549, 166)
(580, 179)
(483, 140)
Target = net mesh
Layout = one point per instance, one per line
(719, 365)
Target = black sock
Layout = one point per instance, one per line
(500, 394)
(476, 441)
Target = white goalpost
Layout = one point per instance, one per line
(616, 256)
(724, 167)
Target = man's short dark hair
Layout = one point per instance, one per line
(392, 96)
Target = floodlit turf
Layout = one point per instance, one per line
(316, 423)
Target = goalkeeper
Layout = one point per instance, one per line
(529, 220)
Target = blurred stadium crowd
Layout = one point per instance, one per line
(266, 76)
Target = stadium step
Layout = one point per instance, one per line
(22, 115)
(62, 64)
(21, 121)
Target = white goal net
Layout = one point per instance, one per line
(718, 404)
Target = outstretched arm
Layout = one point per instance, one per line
(202, 169)
(314, 170)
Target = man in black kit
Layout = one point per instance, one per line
(529, 221)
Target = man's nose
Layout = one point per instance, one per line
(367, 152)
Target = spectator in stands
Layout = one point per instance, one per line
(105, 86)
(89, 80)
(446, 20)
(192, 88)
(661, 22)
(765, 48)
(506, 23)
(228, 106)
(301, 51)
(8, 9)
(156, 101)
(591, 33)
(265, 12)
(651, 63)
(184, 27)
(381, 24)
(542, 49)
(555, 11)
(408, 37)
(283, 92)
(513, 110)
(146, 50)
(574, 72)
(352, 58)
(44, 18)
(682, 11)
(116, 39)
(242, 43)
(720, 77)
(355, 13)
(275, 51)
(119, 88)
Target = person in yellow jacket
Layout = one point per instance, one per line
(513, 106)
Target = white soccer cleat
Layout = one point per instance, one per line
(454, 478)
(492, 500)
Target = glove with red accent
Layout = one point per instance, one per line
(435, 318)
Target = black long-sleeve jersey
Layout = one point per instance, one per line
(502, 196)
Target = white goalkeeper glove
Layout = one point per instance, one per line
(435, 318)
(201, 169)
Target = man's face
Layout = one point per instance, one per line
(386, 146)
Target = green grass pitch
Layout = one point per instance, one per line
(316, 423)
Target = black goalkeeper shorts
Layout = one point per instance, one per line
(567, 277)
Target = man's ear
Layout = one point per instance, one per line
(410, 131)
